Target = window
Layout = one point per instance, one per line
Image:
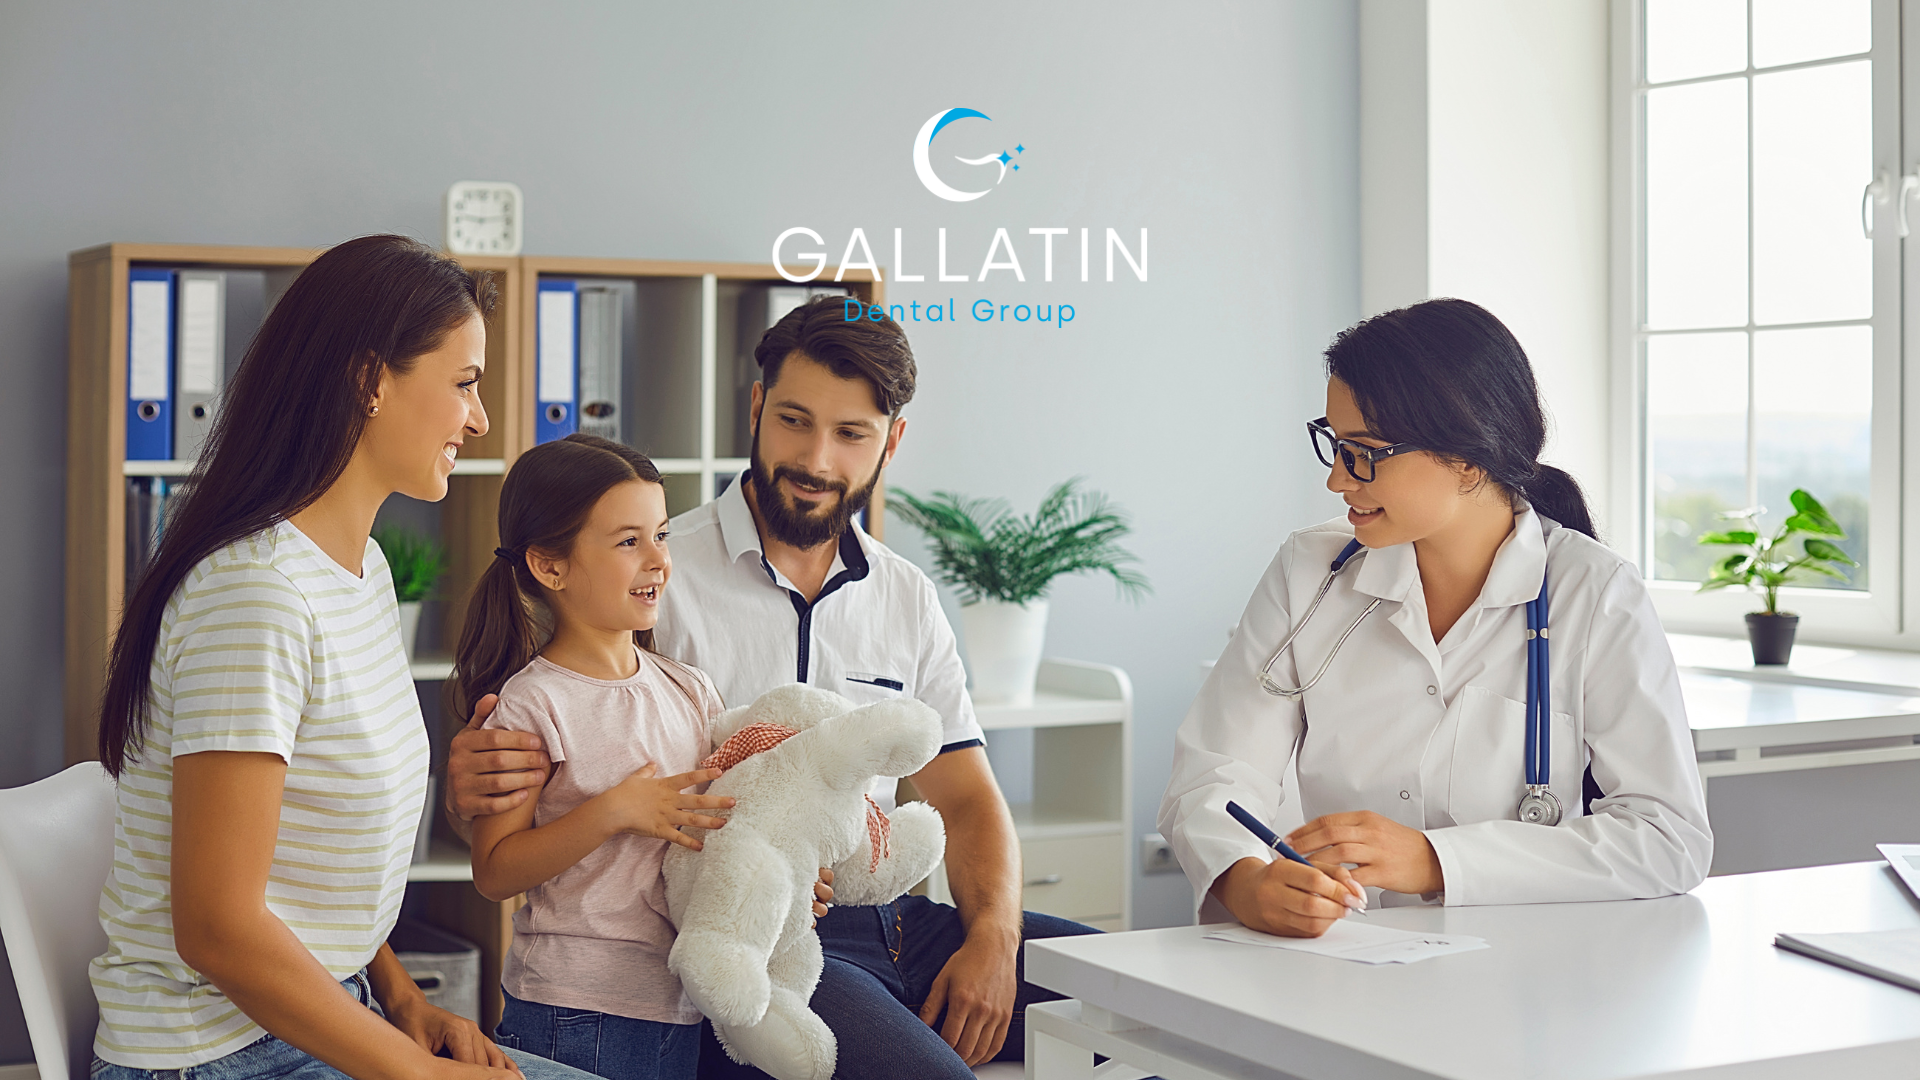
(1765, 303)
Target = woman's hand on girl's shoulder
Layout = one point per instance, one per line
(660, 806)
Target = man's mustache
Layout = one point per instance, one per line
(808, 481)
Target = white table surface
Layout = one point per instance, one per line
(1602, 991)
(1732, 712)
(1891, 671)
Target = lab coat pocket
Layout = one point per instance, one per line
(1488, 774)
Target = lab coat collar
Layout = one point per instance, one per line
(1520, 563)
(1391, 573)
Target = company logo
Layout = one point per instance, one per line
(923, 161)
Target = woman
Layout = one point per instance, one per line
(259, 714)
(1412, 747)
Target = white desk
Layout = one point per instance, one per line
(1685, 985)
(1809, 763)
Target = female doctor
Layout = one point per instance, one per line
(1403, 702)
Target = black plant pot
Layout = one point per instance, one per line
(1771, 636)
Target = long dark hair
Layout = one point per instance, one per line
(1450, 378)
(547, 496)
(287, 427)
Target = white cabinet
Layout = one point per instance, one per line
(1075, 858)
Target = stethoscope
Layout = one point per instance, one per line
(1539, 806)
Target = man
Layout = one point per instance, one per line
(775, 582)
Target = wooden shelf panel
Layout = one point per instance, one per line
(183, 467)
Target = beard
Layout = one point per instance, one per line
(797, 525)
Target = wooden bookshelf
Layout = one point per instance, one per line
(698, 304)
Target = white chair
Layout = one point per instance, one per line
(56, 845)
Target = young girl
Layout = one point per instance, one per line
(583, 530)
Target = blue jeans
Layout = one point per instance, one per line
(880, 966)
(267, 1058)
(616, 1047)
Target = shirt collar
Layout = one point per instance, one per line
(742, 537)
(1519, 565)
(736, 521)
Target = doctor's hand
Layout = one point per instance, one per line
(1383, 852)
(1282, 897)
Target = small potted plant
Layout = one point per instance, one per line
(1001, 566)
(1764, 563)
(417, 563)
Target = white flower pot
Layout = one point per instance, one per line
(1003, 649)
(409, 626)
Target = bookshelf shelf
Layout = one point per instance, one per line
(461, 467)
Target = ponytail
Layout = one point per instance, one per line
(500, 636)
(1450, 378)
(545, 500)
(1555, 494)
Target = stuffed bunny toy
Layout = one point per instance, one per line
(799, 762)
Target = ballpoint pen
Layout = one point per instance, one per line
(1272, 839)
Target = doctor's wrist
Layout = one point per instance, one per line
(1235, 884)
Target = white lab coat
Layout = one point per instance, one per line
(1432, 736)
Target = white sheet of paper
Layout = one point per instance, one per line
(1359, 941)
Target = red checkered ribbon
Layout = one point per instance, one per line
(754, 738)
(747, 742)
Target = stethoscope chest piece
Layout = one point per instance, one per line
(1539, 806)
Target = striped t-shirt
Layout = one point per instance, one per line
(267, 646)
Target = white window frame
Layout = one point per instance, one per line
(1888, 613)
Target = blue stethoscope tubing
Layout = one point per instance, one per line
(1539, 806)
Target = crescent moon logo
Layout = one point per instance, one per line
(923, 165)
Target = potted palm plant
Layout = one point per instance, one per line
(1001, 566)
(1764, 563)
(416, 563)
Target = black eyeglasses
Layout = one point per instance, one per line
(1329, 447)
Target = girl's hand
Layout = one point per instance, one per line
(1284, 898)
(822, 895)
(646, 805)
(1383, 852)
(440, 1032)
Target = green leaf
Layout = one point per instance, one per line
(416, 562)
(1807, 504)
(1821, 549)
(983, 551)
(1738, 536)
(1808, 523)
(1822, 568)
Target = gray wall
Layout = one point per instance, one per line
(666, 131)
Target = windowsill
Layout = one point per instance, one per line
(1887, 671)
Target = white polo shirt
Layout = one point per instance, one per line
(874, 632)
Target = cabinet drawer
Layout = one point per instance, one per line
(1077, 877)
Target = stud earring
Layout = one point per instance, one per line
(373, 410)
